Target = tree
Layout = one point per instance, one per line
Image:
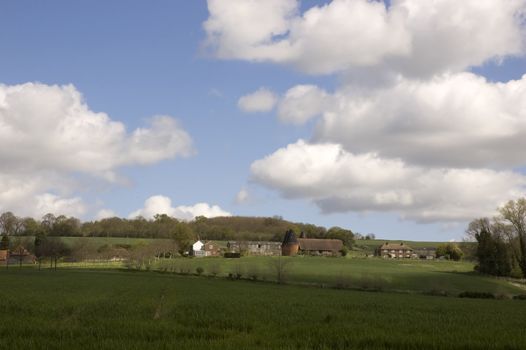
(183, 236)
(10, 224)
(346, 236)
(31, 227)
(492, 252)
(47, 223)
(53, 248)
(4, 243)
(513, 215)
(449, 251)
(280, 266)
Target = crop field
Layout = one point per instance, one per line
(108, 309)
(446, 277)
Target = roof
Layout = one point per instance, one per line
(395, 246)
(320, 244)
(251, 243)
(290, 237)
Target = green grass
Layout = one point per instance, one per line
(394, 275)
(83, 309)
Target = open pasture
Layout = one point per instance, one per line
(98, 309)
(393, 275)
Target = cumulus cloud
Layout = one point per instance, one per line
(49, 135)
(409, 130)
(262, 100)
(412, 36)
(340, 181)
(163, 205)
(458, 120)
(301, 103)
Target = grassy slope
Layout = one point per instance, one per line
(406, 275)
(117, 310)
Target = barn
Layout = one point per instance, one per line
(310, 246)
(263, 248)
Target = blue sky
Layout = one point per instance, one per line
(135, 59)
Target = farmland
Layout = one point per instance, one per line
(103, 309)
(448, 277)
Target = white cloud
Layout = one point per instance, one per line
(246, 29)
(301, 103)
(339, 181)
(242, 196)
(262, 100)
(105, 214)
(458, 120)
(49, 136)
(50, 203)
(163, 205)
(412, 36)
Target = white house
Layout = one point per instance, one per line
(197, 249)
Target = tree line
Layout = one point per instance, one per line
(501, 248)
(164, 226)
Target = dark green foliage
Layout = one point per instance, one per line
(492, 252)
(231, 255)
(477, 295)
(346, 236)
(450, 251)
(199, 270)
(344, 251)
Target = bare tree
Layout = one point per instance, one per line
(280, 268)
(10, 224)
(513, 215)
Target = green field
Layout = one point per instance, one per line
(98, 309)
(448, 277)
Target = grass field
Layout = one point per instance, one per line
(104, 309)
(405, 275)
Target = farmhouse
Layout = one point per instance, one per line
(395, 250)
(309, 246)
(264, 248)
(200, 249)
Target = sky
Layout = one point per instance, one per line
(406, 119)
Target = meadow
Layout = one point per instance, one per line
(437, 277)
(110, 309)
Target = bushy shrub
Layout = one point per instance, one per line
(230, 255)
(520, 297)
(437, 292)
(449, 251)
(199, 270)
(344, 251)
(476, 295)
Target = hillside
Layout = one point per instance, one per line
(251, 228)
